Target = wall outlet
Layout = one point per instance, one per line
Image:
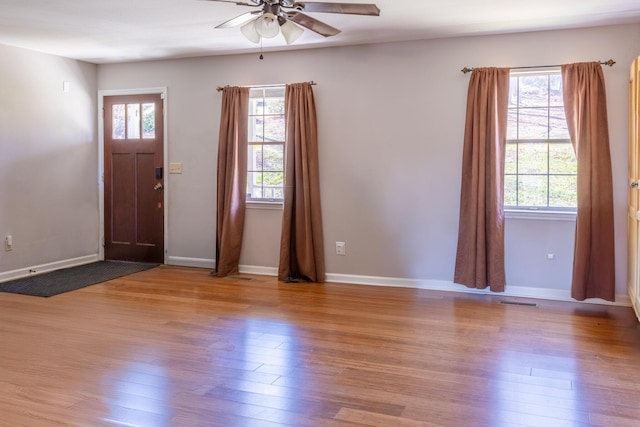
(551, 256)
(8, 243)
(341, 248)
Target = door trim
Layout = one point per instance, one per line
(165, 147)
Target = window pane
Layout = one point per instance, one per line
(266, 151)
(563, 191)
(562, 159)
(254, 162)
(533, 123)
(256, 106)
(117, 121)
(532, 158)
(532, 190)
(274, 106)
(558, 124)
(254, 185)
(555, 90)
(273, 158)
(149, 120)
(511, 157)
(512, 124)
(256, 129)
(133, 121)
(274, 128)
(533, 91)
(272, 186)
(510, 190)
(513, 91)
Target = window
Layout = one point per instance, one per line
(265, 166)
(127, 125)
(540, 164)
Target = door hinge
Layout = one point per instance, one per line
(162, 95)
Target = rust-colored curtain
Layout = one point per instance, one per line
(480, 253)
(232, 179)
(301, 245)
(585, 105)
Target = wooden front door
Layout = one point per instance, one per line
(633, 208)
(133, 178)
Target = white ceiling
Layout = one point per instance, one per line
(103, 31)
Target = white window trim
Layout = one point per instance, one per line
(264, 203)
(544, 215)
(268, 206)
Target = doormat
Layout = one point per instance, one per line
(69, 279)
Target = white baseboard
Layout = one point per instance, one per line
(255, 269)
(45, 268)
(435, 285)
(191, 262)
(444, 285)
(211, 264)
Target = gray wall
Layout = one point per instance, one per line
(48, 159)
(391, 120)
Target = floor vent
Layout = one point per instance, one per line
(527, 304)
(248, 279)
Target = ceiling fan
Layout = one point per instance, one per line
(275, 16)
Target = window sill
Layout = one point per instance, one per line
(540, 215)
(272, 206)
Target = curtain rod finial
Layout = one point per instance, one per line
(466, 70)
(610, 63)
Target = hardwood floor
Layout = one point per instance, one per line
(177, 347)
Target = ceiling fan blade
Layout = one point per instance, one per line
(312, 24)
(240, 3)
(349, 8)
(239, 20)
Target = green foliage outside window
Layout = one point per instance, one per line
(540, 164)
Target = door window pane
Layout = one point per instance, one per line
(117, 121)
(148, 121)
(133, 121)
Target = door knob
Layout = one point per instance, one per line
(158, 186)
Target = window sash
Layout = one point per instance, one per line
(547, 174)
(266, 129)
(546, 126)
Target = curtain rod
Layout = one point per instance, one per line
(221, 88)
(610, 63)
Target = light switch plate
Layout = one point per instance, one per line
(175, 167)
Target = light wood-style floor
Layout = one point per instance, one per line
(177, 347)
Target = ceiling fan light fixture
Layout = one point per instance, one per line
(249, 31)
(290, 31)
(267, 25)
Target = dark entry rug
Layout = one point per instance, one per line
(69, 279)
